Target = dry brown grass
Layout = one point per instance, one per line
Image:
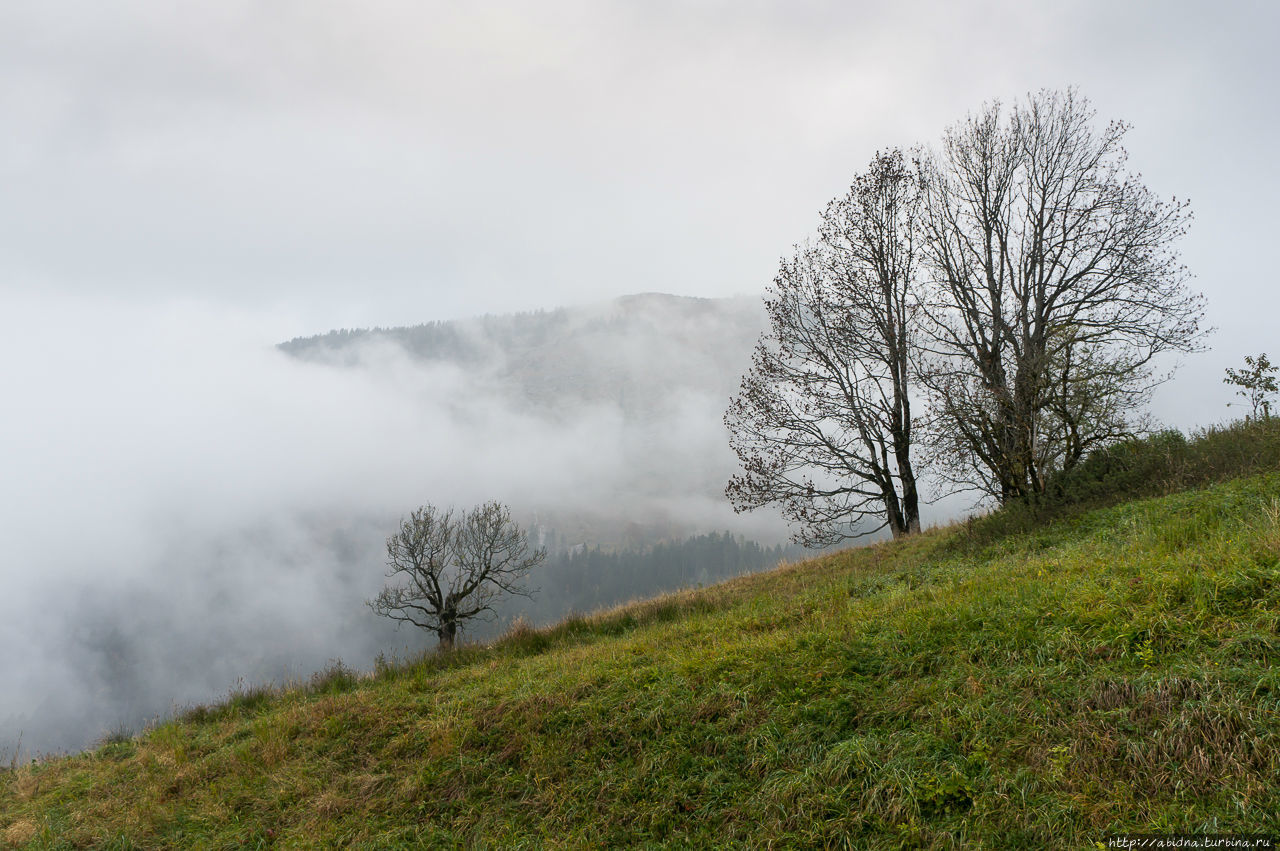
(1271, 526)
(20, 832)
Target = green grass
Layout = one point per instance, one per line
(1109, 671)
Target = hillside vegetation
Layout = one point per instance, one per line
(1004, 683)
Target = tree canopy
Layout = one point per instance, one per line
(452, 570)
(1018, 281)
(822, 423)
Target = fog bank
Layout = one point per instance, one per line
(187, 507)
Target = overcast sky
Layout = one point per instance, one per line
(340, 163)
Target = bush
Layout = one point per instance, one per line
(1130, 469)
(335, 679)
(1168, 462)
(1162, 463)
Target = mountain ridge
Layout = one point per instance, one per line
(637, 351)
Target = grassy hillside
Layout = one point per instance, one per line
(1109, 671)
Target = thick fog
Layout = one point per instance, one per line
(187, 507)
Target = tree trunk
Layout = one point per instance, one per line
(447, 633)
(893, 513)
(448, 630)
(910, 503)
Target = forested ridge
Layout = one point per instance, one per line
(639, 352)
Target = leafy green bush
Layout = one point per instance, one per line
(1140, 467)
(1168, 462)
(1159, 464)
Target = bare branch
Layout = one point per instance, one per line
(1054, 284)
(452, 570)
(822, 423)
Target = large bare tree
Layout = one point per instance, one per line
(451, 570)
(822, 424)
(1055, 286)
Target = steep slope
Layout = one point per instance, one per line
(1112, 671)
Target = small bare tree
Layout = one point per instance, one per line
(822, 424)
(1256, 383)
(452, 570)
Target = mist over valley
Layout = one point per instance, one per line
(195, 509)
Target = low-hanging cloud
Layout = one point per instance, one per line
(188, 507)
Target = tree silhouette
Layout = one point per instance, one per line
(452, 570)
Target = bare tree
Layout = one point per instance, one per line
(1055, 285)
(451, 571)
(1256, 383)
(822, 424)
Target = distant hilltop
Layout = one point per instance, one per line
(637, 351)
